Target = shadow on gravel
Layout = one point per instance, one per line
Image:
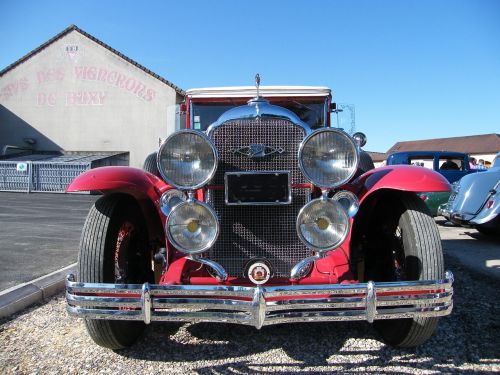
(483, 237)
(470, 335)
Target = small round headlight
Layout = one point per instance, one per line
(192, 227)
(359, 138)
(322, 224)
(328, 158)
(349, 201)
(187, 159)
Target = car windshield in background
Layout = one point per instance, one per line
(422, 162)
(312, 113)
(451, 164)
(444, 163)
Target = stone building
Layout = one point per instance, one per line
(75, 93)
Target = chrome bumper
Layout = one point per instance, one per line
(444, 210)
(260, 306)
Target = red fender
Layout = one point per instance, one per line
(400, 177)
(136, 182)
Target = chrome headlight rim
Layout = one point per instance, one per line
(312, 135)
(353, 206)
(171, 182)
(329, 247)
(209, 244)
(360, 138)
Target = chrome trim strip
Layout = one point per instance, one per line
(289, 201)
(88, 301)
(258, 307)
(146, 303)
(255, 306)
(371, 302)
(202, 303)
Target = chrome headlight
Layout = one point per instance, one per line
(322, 224)
(192, 227)
(349, 201)
(359, 138)
(187, 159)
(328, 158)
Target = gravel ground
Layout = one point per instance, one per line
(45, 340)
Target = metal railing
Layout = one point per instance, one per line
(49, 173)
(38, 176)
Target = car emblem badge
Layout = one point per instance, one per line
(257, 151)
(259, 272)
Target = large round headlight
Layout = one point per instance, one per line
(192, 227)
(322, 224)
(187, 159)
(328, 158)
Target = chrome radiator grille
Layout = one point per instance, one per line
(258, 231)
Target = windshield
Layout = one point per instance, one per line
(311, 112)
(496, 161)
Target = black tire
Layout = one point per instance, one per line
(113, 249)
(408, 248)
(365, 163)
(150, 164)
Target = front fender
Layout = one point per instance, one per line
(400, 177)
(133, 181)
(144, 187)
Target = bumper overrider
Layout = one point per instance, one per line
(260, 306)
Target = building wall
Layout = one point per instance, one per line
(77, 95)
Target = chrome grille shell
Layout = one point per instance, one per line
(258, 231)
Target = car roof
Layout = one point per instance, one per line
(423, 153)
(265, 91)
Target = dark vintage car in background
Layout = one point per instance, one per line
(262, 214)
(475, 201)
(452, 165)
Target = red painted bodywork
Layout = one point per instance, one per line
(332, 269)
(399, 177)
(133, 181)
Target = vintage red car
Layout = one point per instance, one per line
(259, 213)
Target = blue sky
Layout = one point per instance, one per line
(413, 69)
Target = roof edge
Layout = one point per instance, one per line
(455, 137)
(251, 91)
(94, 39)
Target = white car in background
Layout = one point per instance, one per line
(475, 200)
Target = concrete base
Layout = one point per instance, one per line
(15, 299)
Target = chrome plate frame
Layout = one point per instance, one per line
(289, 201)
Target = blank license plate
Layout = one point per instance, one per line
(258, 188)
